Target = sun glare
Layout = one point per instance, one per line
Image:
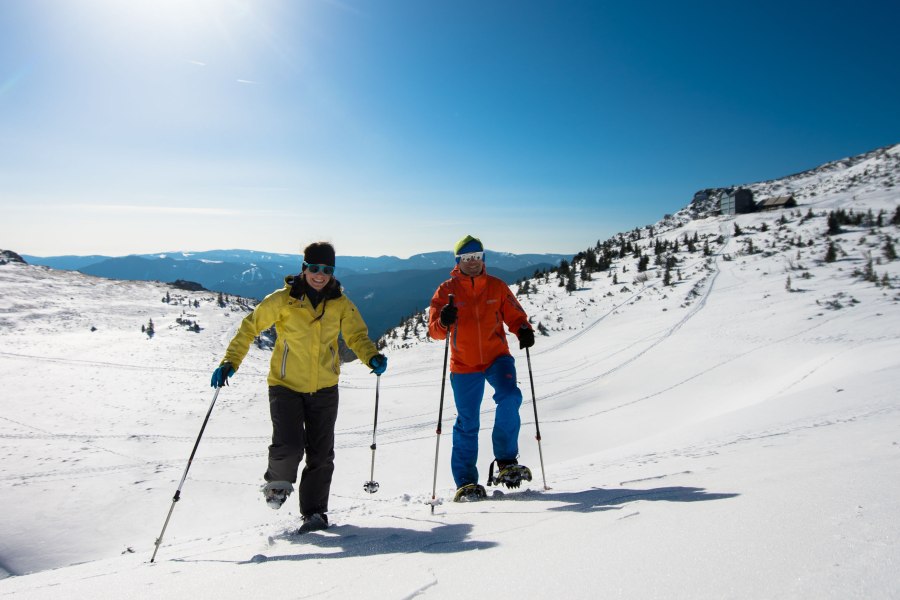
(160, 23)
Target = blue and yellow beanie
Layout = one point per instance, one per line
(468, 244)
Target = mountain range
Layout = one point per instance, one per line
(385, 288)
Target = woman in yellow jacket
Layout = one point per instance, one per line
(308, 313)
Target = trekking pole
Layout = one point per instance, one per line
(537, 426)
(177, 496)
(371, 486)
(437, 445)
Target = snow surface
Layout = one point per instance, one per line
(722, 437)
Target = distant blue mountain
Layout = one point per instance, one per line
(288, 263)
(385, 288)
(64, 263)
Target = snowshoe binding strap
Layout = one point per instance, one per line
(491, 479)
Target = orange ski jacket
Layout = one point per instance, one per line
(484, 303)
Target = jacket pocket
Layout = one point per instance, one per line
(284, 357)
(333, 361)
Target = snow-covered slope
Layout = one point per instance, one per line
(732, 434)
(869, 183)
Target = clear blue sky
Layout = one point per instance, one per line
(398, 126)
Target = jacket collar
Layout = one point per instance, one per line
(299, 288)
(477, 281)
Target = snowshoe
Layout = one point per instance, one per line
(314, 522)
(511, 475)
(471, 492)
(276, 492)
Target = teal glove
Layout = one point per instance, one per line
(221, 374)
(378, 364)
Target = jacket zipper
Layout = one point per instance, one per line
(477, 323)
(333, 361)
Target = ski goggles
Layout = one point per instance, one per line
(471, 256)
(327, 269)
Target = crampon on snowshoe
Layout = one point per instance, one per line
(276, 492)
(471, 492)
(510, 474)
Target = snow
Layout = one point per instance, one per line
(740, 441)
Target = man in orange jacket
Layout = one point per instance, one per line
(479, 353)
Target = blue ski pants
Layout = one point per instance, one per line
(468, 391)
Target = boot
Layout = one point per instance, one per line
(314, 522)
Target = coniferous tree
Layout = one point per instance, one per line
(890, 252)
(869, 270)
(834, 223)
(831, 253)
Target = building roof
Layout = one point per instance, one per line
(775, 201)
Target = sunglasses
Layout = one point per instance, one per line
(471, 256)
(327, 269)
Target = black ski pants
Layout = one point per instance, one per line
(303, 424)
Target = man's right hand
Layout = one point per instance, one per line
(448, 315)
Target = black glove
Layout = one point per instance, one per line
(448, 315)
(526, 337)
(221, 374)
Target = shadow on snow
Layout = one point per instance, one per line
(597, 499)
(353, 540)
(369, 541)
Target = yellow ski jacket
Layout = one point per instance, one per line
(305, 358)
